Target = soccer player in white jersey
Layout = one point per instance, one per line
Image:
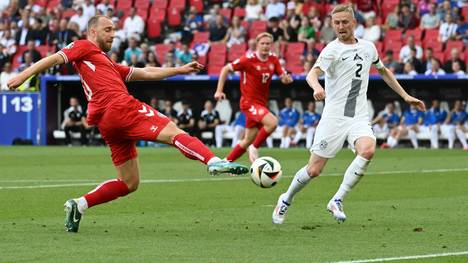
(346, 62)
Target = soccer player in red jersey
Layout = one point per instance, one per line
(122, 120)
(256, 69)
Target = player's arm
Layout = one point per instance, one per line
(36, 68)
(219, 94)
(312, 80)
(157, 73)
(391, 81)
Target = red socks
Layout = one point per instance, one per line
(192, 148)
(107, 191)
(262, 135)
(235, 153)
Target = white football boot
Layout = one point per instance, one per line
(253, 153)
(335, 207)
(280, 211)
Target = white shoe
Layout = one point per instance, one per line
(253, 153)
(335, 207)
(281, 209)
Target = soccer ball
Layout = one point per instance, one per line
(265, 172)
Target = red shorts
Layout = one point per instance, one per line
(122, 126)
(254, 114)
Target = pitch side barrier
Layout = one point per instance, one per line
(56, 91)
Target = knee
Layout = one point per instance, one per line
(271, 126)
(132, 183)
(313, 171)
(367, 153)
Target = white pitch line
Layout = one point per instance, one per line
(159, 181)
(461, 253)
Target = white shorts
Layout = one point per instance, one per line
(332, 133)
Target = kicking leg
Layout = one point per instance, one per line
(300, 180)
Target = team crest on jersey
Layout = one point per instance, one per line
(271, 67)
(323, 144)
(69, 46)
(259, 68)
(357, 57)
(261, 111)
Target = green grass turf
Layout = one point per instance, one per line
(229, 220)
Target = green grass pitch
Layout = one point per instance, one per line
(411, 202)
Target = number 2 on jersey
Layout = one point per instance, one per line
(265, 77)
(358, 71)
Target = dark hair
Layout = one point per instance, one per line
(93, 21)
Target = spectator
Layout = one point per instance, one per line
(359, 31)
(23, 35)
(386, 123)
(89, 10)
(236, 33)
(430, 20)
(454, 57)
(136, 62)
(409, 125)
(307, 67)
(39, 32)
(391, 22)
(455, 125)
(170, 60)
(427, 61)
(407, 19)
(251, 46)
(185, 119)
(314, 18)
(288, 119)
(406, 50)
(111, 13)
(327, 34)
(408, 69)
(151, 60)
(6, 75)
(3, 5)
(35, 55)
(8, 42)
(372, 31)
(132, 49)
(274, 29)
(307, 124)
(448, 29)
(193, 23)
(184, 55)
(209, 118)
(462, 30)
(414, 61)
(80, 19)
(64, 36)
(134, 25)
(457, 68)
(168, 110)
(424, 7)
(435, 68)
(218, 30)
(390, 63)
(306, 31)
(291, 28)
(433, 119)
(253, 10)
(103, 7)
(444, 9)
(4, 56)
(210, 18)
(275, 8)
(237, 127)
(72, 121)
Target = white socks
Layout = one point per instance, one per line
(352, 176)
(461, 136)
(214, 160)
(413, 138)
(82, 204)
(391, 141)
(310, 137)
(300, 180)
(434, 137)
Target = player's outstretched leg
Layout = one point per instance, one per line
(365, 148)
(300, 180)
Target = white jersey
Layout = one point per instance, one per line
(346, 68)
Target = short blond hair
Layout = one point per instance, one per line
(262, 35)
(343, 8)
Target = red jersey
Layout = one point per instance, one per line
(256, 77)
(102, 79)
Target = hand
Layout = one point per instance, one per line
(192, 67)
(286, 79)
(16, 81)
(319, 93)
(219, 95)
(415, 102)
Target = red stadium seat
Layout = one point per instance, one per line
(257, 27)
(464, 12)
(416, 33)
(202, 60)
(379, 46)
(68, 13)
(236, 51)
(239, 11)
(159, 4)
(218, 48)
(173, 16)
(143, 12)
(200, 37)
(458, 44)
(214, 70)
(440, 56)
(153, 27)
(161, 51)
(52, 4)
(295, 67)
(393, 35)
(142, 4)
(226, 12)
(466, 56)
(43, 49)
(295, 48)
(431, 35)
(319, 46)
(179, 4)
(198, 5)
(218, 59)
(435, 45)
(158, 14)
(124, 4)
(41, 3)
(387, 7)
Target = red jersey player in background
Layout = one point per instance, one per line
(122, 120)
(256, 69)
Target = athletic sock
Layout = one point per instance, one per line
(413, 138)
(82, 204)
(297, 137)
(192, 148)
(105, 192)
(451, 138)
(353, 174)
(392, 142)
(287, 142)
(237, 152)
(262, 135)
(300, 180)
(434, 137)
(461, 136)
